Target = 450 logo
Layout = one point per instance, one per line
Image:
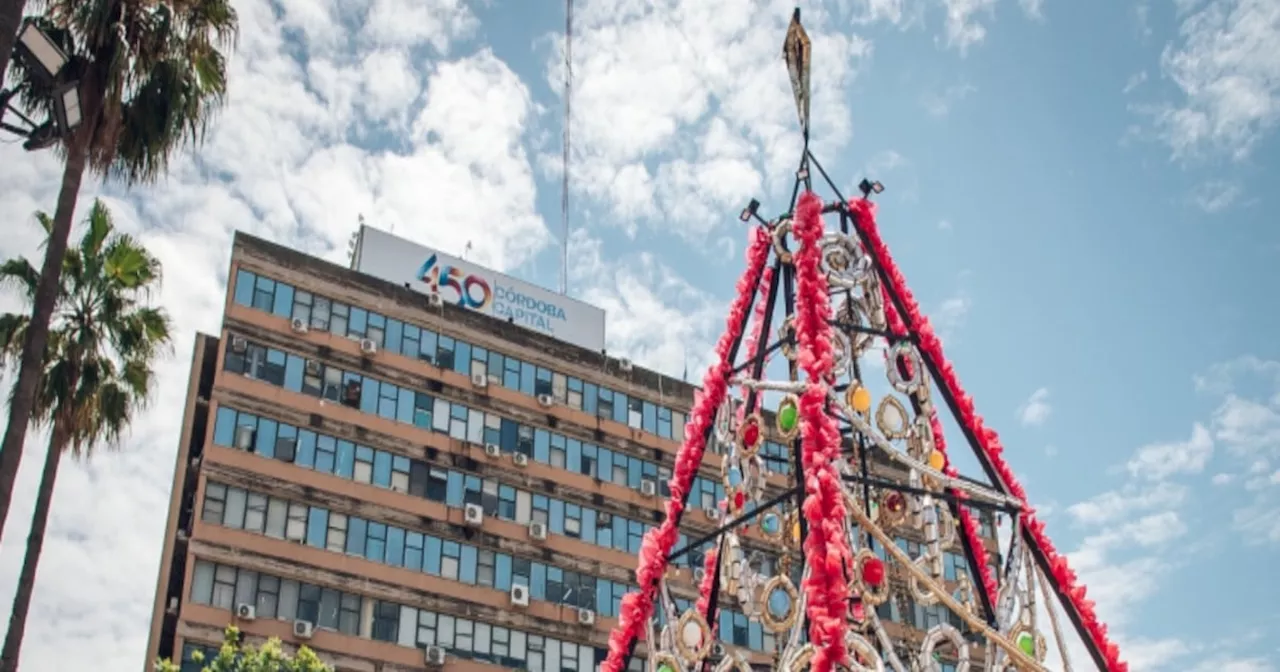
(468, 291)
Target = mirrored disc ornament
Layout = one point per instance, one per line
(750, 435)
(771, 526)
(781, 604)
(780, 231)
(693, 637)
(892, 418)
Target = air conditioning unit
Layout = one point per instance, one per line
(473, 514)
(698, 575)
(712, 513)
(368, 346)
(492, 449)
(586, 617)
(313, 367)
(538, 530)
(479, 380)
(520, 459)
(519, 594)
(648, 487)
(246, 612)
(546, 400)
(435, 654)
(239, 344)
(244, 437)
(303, 629)
(434, 300)
(298, 325)
(624, 364)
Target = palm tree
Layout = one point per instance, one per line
(10, 22)
(151, 75)
(103, 342)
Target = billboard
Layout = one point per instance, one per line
(473, 287)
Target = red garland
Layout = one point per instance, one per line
(637, 606)
(826, 546)
(988, 440)
(704, 587)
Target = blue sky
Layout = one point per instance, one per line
(1076, 192)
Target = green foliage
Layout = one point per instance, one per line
(103, 339)
(236, 657)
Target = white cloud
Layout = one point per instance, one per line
(1158, 461)
(1228, 664)
(1222, 479)
(1216, 196)
(1113, 506)
(1226, 65)
(939, 103)
(1135, 81)
(1036, 410)
(962, 28)
(1034, 9)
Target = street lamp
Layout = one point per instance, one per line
(39, 52)
(867, 187)
(46, 61)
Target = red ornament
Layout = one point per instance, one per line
(751, 434)
(873, 572)
(895, 502)
(739, 500)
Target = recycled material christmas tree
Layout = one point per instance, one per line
(872, 464)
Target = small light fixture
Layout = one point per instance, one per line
(868, 187)
(802, 174)
(749, 211)
(66, 108)
(40, 52)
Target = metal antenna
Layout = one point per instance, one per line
(564, 162)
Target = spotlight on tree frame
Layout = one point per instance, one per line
(749, 211)
(868, 187)
(39, 52)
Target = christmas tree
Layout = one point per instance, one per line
(865, 508)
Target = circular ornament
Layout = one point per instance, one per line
(923, 595)
(665, 662)
(788, 417)
(863, 655)
(750, 435)
(781, 604)
(871, 577)
(899, 354)
(858, 398)
(771, 526)
(1029, 642)
(892, 418)
(693, 637)
(937, 460)
(938, 634)
(893, 507)
(841, 261)
(780, 231)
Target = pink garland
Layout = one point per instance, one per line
(704, 587)
(988, 440)
(637, 606)
(826, 548)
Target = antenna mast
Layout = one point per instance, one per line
(564, 162)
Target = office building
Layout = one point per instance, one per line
(404, 483)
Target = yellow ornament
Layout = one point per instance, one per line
(936, 460)
(860, 399)
(795, 532)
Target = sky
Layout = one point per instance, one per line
(1076, 192)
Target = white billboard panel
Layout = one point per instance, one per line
(473, 287)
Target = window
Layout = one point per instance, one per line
(268, 596)
(449, 559)
(386, 621)
(485, 567)
(224, 587)
(336, 537)
(215, 501)
(296, 525)
(349, 614)
(255, 518)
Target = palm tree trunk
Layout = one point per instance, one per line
(31, 561)
(10, 22)
(32, 363)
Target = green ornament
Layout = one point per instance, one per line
(788, 416)
(1027, 643)
(666, 667)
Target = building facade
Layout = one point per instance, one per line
(401, 484)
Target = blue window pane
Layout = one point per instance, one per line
(265, 442)
(357, 534)
(346, 459)
(604, 465)
(603, 597)
(326, 454)
(467, 565)
(528, 377)
(382, 469)
(404, 406)
(649, 417)
(283, 304)
(620, 407)
(317, 526)
(453, 492)
(395, 546)
(306, 456)
(369, 396)
(293, 367)
(462, 357)
(502, 572)
(358, 325)
(431, 564)
(557, 517)
(376, 542)
(413, 551)
(510, 434)
(573, 454)
(427, 346)
(538, 579)
(542, 446)
(588, 524)
(589, 400)
(224, 427)
(244, 288)
(395, 331)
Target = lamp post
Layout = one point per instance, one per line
(45, 61)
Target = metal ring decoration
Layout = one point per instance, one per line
(893, 508)
(780, 231)
(859, 647)
(841, 261)
(799, 660)
(871, 595)
(787, 431)
(750, 435)
(946, 524)
(873, 303)
(723, 422)
(923, 596)
(787, 334)
(892, 418)
(692, 622)
(920, 439)
(772, 622)
(944, 632)
(663, 658)
(1040, 646)
(905, 383)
